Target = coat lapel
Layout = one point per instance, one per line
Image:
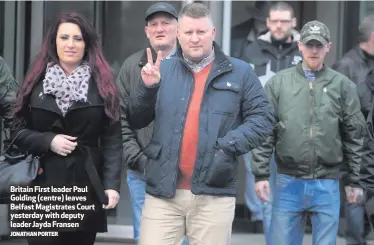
(48, 102)
(43, 101)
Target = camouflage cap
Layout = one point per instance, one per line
(315, 30)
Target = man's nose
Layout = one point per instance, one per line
(315, 49)
(194, 38)
(159, 28)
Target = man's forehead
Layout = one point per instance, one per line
(160, 16)
(195, 23)
(280, 13)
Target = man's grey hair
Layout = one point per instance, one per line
(366, 28)
(195, 10)
(281, 6)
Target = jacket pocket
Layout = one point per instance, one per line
(224, 98)
(152, 169)
(230, 86)
(221, 170)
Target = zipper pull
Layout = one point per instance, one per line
(311, 85)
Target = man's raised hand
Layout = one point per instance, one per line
(151, 72)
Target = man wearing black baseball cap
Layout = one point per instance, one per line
(161, 31)
(161, 7)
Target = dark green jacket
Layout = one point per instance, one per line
(319, 127)
(8, 94)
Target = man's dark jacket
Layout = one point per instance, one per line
(267, 59)
(354, 65)
(235, 117)
(133, 140)
(366, 95)
(357, 67)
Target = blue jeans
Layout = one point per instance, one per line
(260, 210)
(355, 224)
(292, 198)
(137, 194)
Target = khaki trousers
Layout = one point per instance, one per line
(206, 220)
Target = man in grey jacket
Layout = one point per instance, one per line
(161, 30)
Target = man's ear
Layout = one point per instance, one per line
(146, 31)
(300, 45)
(329, 45)
(294, 22)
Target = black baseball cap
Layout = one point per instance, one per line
(159, 8)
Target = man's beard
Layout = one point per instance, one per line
(283, 41)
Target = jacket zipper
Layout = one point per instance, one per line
(280, 48)
(197, 171)
(310, 124)
(278, 62)
(219, 72)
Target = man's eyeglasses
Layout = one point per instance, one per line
(280, 21)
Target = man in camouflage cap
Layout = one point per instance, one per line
(314, 45)
(319, 129)
(315, 30)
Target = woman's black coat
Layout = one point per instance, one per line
(97, 158)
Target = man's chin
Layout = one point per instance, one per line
(161, 45)
(195, 57)
(314, 67)
(279, 38)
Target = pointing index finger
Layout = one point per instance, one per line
(149, 56)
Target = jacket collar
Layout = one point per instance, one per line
(265, 43)
(360, 53)
(362, 58)
(267, 36)
(319, 74)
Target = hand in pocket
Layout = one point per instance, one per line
(221, 170)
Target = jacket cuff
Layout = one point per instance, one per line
(146, 88)
(141, 164)
(148, 93)
(355, 185)
(262, 178)
(353, 181)
(47, 140)
(113, 186)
